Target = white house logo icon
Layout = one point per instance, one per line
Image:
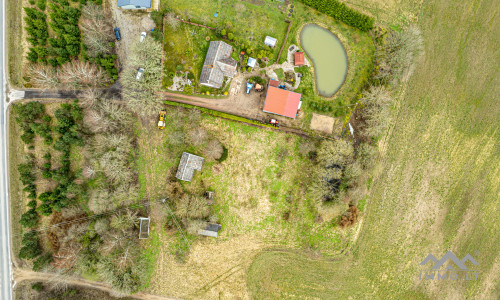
(449, 256)
(437, 271)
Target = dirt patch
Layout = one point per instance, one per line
(322, 123)
(131, 25)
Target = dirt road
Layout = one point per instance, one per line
(215, 104)
(22, 275)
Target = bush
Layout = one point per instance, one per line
(41, 262)
(30, 246)
(41, 4)
(342, 12)
(37, 286)
(29, 219)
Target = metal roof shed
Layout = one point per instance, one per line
(188, 164)
(134, 4)
(251, 62)
(270, 41)
(211, 230)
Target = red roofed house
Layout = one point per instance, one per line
(299, 58)
(282, 102)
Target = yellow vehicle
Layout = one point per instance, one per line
(161, 123)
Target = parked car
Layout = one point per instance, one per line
(139, 73)
(117, 34)
(143, 36)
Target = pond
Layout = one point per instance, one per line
(328, 57)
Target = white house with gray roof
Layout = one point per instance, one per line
(188, 164)
(134, 4)
(218, 64)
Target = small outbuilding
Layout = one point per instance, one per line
(188, 164)
(134, 4)
(282, 102)
(251, 62)
(210, 197)
(299, 58)
(270, 41)
(212, 230)
(143, 228)
(274, 83)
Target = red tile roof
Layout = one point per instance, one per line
(299, 58)
(282, 102)
(274, 83)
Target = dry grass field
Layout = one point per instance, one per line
(437, 186)
(261, 201)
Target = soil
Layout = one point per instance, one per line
(322, 123)
(131, 25)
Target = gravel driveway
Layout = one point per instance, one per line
(131, 24)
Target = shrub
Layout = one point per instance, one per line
(42, 261)
(30, 245)
(37, 286)
(41, 4)
(342, 12)
(30, 218)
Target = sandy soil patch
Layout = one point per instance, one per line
(322, 123)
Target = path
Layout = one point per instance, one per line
(22, 275)
(5, 261)
(214, 104)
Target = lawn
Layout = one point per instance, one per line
(185, 49)
(436, 188)
(261, 201)
(250, 22)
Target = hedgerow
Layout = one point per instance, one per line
(342, 12)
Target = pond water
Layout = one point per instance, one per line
(328, 57)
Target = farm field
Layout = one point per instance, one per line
(436, 188)
(261, 201)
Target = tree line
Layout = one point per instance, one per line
(33, 120)
(340, 11)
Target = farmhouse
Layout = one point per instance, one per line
(282, 102)
(270, 41)
(299, 58)
(188, 164)
(218, 63)
(211, 230)
(134, 4)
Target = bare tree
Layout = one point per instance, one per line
(396, 58)
(336, 153)
(96, 29)
(214, 149)
(377, 102)
(79, 73)
(43, 76)
(89, 97)
(198, 136)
